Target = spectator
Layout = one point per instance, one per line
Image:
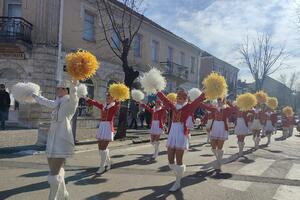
(4, 105)
(134, 110)
(142, 117)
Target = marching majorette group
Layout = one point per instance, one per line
(255, 114)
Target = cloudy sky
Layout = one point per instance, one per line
(220, 26)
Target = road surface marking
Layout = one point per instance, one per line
(238, 185)
(285, 192)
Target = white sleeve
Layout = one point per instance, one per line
(44, 101)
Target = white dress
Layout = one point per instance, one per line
(60, 141)
(189, 122)
(155, 130)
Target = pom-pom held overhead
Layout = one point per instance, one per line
(288, 111)
(137, 95)
(22, 92)
(272, 102)
(215, 86)
(81, 65)
(119, 91)
(261, 97)
(246, 101)
(172, 97)
(153, 81)
(194, 93)
(82, 90)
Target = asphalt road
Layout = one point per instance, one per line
(268, 173)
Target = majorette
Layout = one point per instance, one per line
(158, 118)
(219, 130)
(105, 132)
(256, 125)
(269, 123)
(207, 121)
(178, 134)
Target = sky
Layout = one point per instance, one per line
(221, 26)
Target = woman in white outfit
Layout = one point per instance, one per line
(60, 143)
(270, 124)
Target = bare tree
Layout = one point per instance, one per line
(262, 58)
(120, 22)
(292, 82)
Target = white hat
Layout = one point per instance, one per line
(63, 84)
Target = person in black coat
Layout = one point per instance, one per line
(4, 105)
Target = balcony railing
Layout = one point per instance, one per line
(15, 29)
(175, 70)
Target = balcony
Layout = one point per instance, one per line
(14, 29)
(174, 71)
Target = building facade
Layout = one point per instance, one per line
(210, 63)
(29, 41)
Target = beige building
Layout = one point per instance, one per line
(210, 63)
(29, 43)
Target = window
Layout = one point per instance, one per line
(89, 28)
(193, 64)
(154, 51)
(115, 42)
(170, 54)
(182, 58)
(137, 45)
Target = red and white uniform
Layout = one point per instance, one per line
(241, 127)
(178, 134)
(270, 121)
(257, 120)
(158, 117)
(219, 129)
(106, 129)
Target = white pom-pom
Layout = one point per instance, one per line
(153, 81)
(194, 93)
(22, 92)
(82, 90)
(137, 95)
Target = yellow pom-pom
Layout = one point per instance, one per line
(172, 97)
(261, 97)
(246, 101)
(81, 65)
(215, 86)
(119, 91)
(288, 111)
(272, 102)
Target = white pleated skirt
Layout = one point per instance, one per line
(176, 138)
(155, 130)
(241, 127)
(256, 125)
(218, 131)
(104, 132)
(268, 126)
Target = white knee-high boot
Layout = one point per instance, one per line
(55, 187)
(103, 158)
(108, 160)
(208, 138)
(179, 171)
(64, 188)
(220, 157)
(156, 149)
(269, 138)
(217, 165)
(257, 140)
(241, 147)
